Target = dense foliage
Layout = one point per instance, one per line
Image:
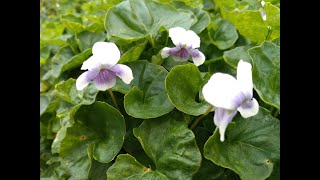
(148, 134)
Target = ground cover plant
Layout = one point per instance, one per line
(160, 89)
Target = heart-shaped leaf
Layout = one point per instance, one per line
(137, 19)
(251, 146)
(183, 84)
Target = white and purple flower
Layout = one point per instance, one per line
(263, 12)
(228, 95)
(186, 42)
(103, 68)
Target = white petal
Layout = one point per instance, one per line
(91, 63)
(85, 78)
(106, 52)
(177, 36)
(198, 57)
(262, 3)
(165, 52)
(244, 77)
(124, 72)
(222, 117)
(223, 91)
(193, 40)
(105, 80)
(249, 108)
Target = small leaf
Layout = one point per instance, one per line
(251, 146)
(183, 84)
(224, 36)
(127, 167)
(68, 92)
(72, 23)
(133, 53)
(87, 39)
(147, 98)
(273, 20)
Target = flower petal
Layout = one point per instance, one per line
(165, 52)
(104, 80)
(223, 91)
(91, 63)
(177, 35)
(249, 108)
(107, 53)
(244, 77)
(193, 40)
(198, 57)
(179, 54)
(85, 78)
(124, 72)
(222, 117)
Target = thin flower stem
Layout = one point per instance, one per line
(213, 60)
(113, 99)
(201, 117)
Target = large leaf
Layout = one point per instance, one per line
(127, 167)
(171, 145)
(63, 56)
(266, 72)
(68, 92)
(98, 129)
(273, 19)
(139, 18)
(183, 84)
(147, 98)
(251, 146)
(224, 36)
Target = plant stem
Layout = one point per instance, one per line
(201, 117)
(269, 33)
(113, 99)
(213, 60)
(151, 40)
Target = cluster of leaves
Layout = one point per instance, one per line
(83, 135)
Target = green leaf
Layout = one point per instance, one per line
(72, 23)
(183, 84)
(171, 145)
(133, 53)
(137, 19)
(98, 129)
(65, 60)
(224, 36)
(147, 99)
(98, 170)
(251, 146)
(63, 56)
(127, 167)
(44, 103)
(72, 42)
(203, 18)
(266, 72)
(68, 92)
(87, 39)
(233, 56)
(273, 19)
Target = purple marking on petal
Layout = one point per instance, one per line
(239, 100)
(116, 70)
(104, 76)
(195, 53)
(90, 75)
(182, 53)
(247, 104)
(224, 115)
